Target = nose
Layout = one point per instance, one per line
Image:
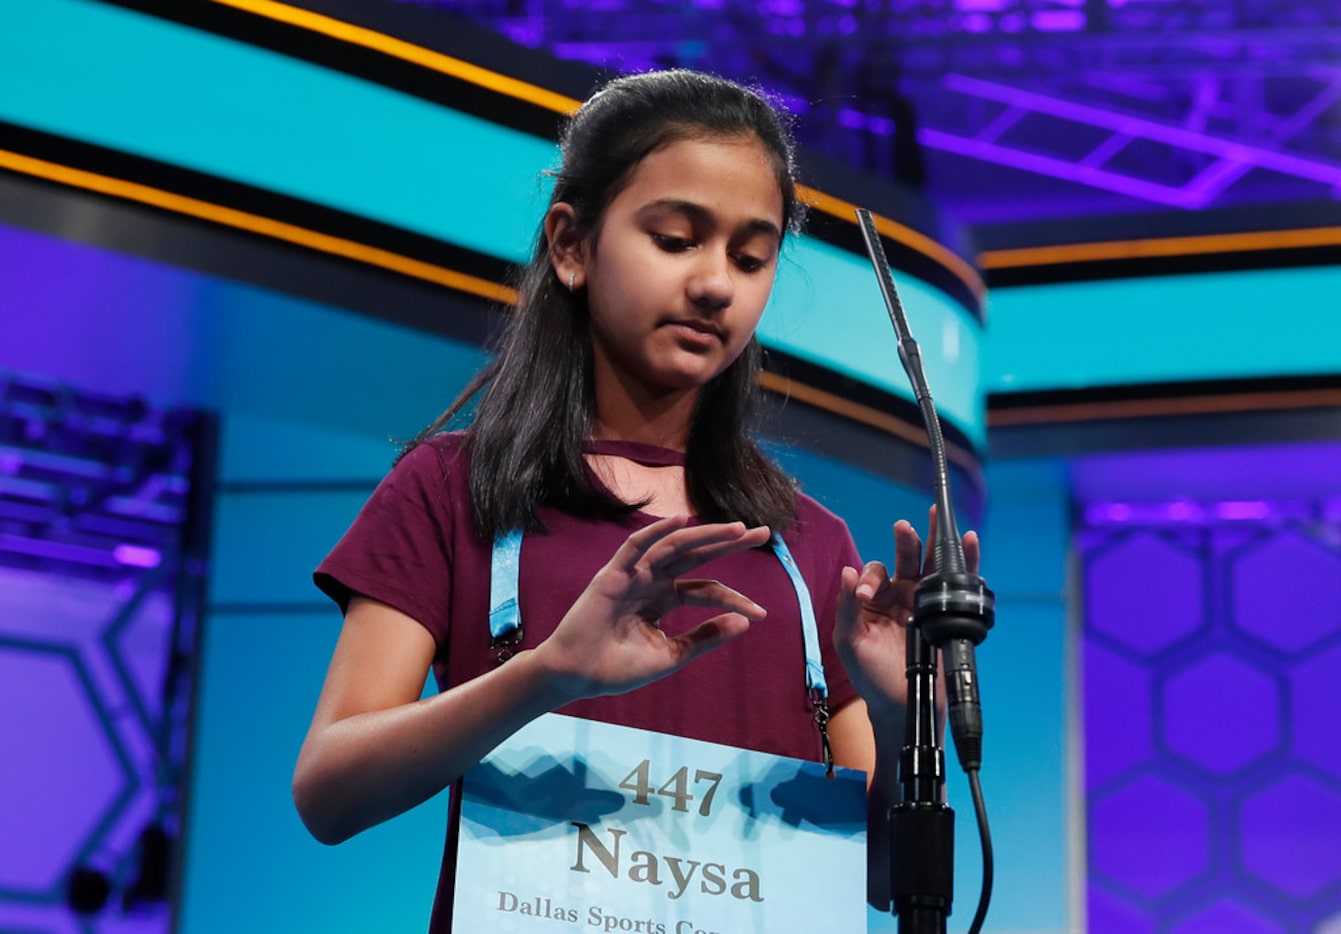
(711, 285)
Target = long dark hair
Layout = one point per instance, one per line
(532, 419)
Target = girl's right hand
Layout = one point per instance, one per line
(610, 641)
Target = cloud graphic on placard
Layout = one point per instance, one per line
(792, 797)
(545, 793)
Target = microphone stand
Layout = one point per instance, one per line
(922, 825)
(953, 611)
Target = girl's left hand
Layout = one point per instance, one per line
(873, 615)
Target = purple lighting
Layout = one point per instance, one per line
(1258, 156)
(1210, 659)
(1181, 511)
(1159, 102)
(1058, 21)
(1243, 510)
(1106, 513)
(1185, 512)
(1057, 168)
(52, 550)
(94, 492)
(137, 556)
(1232, 158)
(851, 119)
(1149, 837)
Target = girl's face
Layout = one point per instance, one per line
(682, 265)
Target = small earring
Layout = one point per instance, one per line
(572, 278)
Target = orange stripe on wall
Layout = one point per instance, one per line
(255, 223)
(407, 51)
(864, 414)
(1161, 247)
(1149, 408)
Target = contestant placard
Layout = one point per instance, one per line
(581, 826)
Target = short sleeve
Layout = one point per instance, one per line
(399, 549)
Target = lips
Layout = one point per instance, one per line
(698, 326)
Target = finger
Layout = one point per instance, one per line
(972, 551)
(874, 580)
(849, 606)
(717, 594)
(666, 538)
(640, 542)
(686, 559)
(929, 564)
(706, 636)
(682, 542)
(907, 551)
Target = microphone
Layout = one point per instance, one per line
(953, 608)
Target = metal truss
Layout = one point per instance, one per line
(103, 549)
(90, 486)
(1165, 103)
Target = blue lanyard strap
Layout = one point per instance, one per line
(815, 682)
(505, 629)
(816, 687)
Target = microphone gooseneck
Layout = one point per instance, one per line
(953, 610)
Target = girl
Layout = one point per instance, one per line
(612, 429)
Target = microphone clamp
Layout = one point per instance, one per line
(953, 611)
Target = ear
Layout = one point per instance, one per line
(567, 246)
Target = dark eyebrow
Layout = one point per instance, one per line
(698, 212)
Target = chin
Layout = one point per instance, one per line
(674, 385)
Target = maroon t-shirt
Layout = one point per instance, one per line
(415, 547)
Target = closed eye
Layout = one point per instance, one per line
(672, 244)
(747, 263)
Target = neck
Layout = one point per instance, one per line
(660, 419)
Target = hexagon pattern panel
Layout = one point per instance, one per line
(97, 610)
(1211, 657)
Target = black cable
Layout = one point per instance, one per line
(984, 835)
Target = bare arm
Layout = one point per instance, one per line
(375, 750)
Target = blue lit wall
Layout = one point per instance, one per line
(125, 325)
(1252, 323)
